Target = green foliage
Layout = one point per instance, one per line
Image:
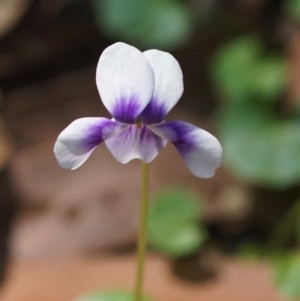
(287, 275)
(259, 147)
(109, 296)
(244, 71)
(297, 226)
(292, 9)
(287, 228)
(165, 24)
(173, 223)
(251, 251)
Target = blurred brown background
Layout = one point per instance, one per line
(48, 55)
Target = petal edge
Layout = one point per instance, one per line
(125, 81)
(78, 140)
(168, 86)
(200, 150)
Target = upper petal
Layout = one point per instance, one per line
(200, 150)
(77, 141)
(168, 86)
(134, 143)
(125, 81)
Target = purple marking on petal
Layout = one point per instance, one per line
(180, 135)
(153, 113)
(78, 140)
(200, 150)
(135, 143)
(96, 133)
(127, 110)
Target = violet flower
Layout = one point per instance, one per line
(138, 89)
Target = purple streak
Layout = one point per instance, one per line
(135, 143)
(153, 113)
(127, 110)
(180, 134)
(96, 133)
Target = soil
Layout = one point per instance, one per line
(63, 280)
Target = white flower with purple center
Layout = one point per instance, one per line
(138, 89)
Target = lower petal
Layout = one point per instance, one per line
(135, 143)
(200, 150)
(76, 143)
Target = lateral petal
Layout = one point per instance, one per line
(200, 150)
(168, 86)
(77, 141)
(134, 143)
(125, 81)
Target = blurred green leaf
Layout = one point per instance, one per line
(165, 24)
(242, 70)
(251, 251)
(270, 78)
(286, 228)
(287, 275)
(175, 204)
(260, 147)
(292, 9)
(297, 227)
(173, 223)
(177, 239)
(232, 67)
(109, 296)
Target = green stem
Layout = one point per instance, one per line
(142, 239)
(284, 230)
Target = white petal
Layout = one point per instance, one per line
(168, 86)
(76, 142)
(200, 150)
(125, 81)
(134, 143)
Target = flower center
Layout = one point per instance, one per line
(138, 123)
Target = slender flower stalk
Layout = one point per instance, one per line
(142, 236)
(139, 89)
